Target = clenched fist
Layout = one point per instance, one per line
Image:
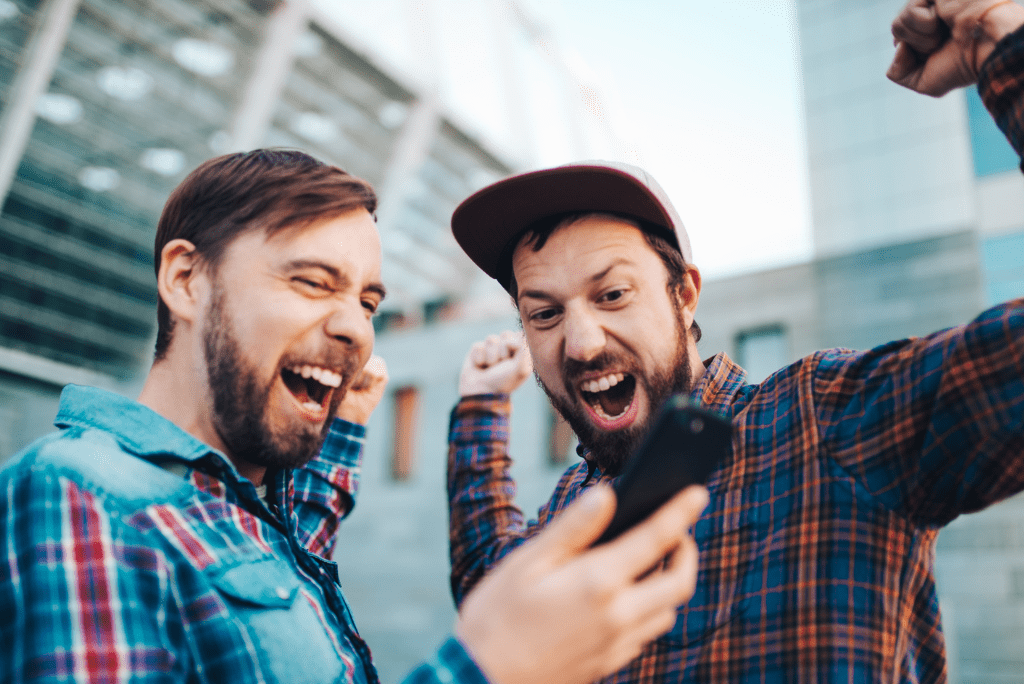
(497, 365)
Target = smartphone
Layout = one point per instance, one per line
(683, 448)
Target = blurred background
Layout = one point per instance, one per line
(827, 207)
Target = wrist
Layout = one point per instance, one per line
(993, 23)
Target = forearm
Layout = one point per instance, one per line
(1001, 85)
(326, 487)
(484, 522)
(932, 427)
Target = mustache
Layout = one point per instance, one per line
(344, 362)
(573, 370)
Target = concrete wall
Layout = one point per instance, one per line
(885, 164)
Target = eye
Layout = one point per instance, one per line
(612, 296)
(370, 305)
(543, 316)
(309, 284)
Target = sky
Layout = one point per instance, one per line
(709, 93)
(705, 95)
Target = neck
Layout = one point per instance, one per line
(175, 390)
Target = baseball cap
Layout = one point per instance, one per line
(489, 222)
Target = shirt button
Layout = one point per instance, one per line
(282, 593)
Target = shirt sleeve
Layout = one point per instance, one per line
(1001, 86)
(450, 665)
(82, 600)
(484, 524)
(932, 427)
(325, 488)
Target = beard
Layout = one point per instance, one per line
(610, 450)
(241, 401)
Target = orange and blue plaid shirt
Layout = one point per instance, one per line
(817, 546)
(136, 553)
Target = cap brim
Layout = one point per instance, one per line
(487, 222)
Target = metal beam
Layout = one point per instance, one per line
(39, 59)
(274, 62)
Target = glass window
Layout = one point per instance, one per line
(407, 407)
(139, 91)
(762, 351)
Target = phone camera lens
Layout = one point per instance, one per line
(696, 425)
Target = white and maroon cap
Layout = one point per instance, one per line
(488, 224)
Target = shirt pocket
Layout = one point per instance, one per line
(289, 635)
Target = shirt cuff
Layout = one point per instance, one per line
(344, 444)
(451, 664)
(488, 413)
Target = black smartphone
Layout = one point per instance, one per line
(683, 448)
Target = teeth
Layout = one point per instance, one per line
(603, 383)
(321, 375)
(311, 406)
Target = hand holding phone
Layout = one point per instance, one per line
(683, 448)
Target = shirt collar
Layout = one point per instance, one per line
(722, 380)
(139, 429)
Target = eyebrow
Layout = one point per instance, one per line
(597, 277)
(340, 279)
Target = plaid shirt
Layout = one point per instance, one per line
(134, 552)
(817, 546)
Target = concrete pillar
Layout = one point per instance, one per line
(274, 62)
(38, 64)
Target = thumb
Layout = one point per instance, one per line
(578, 526)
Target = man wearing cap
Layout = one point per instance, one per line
(818, 542)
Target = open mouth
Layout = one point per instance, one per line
(611, 399)
(311, 386)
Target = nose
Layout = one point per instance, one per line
(350, 325)
(584, 335)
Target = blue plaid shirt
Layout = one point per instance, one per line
(817, 546)
(134, 552)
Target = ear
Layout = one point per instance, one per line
(690, 294)
(179, 279)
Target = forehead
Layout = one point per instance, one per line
(348, 243)
(580, 247)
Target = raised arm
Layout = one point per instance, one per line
(484, 522)
(934, 426)
(942, 44)
(325, 488)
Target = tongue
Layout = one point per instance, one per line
(613, 405)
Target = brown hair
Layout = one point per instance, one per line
(266, 189)
(537, 234)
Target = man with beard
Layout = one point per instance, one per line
(186, 536)
(818, 542)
